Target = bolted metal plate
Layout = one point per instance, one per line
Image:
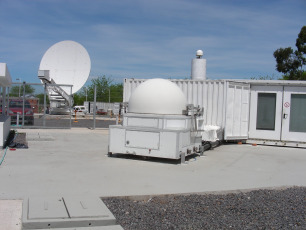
(80, 207)
(46, 208)
(69, 212)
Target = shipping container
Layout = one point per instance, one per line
(225, 103)
(270, 110)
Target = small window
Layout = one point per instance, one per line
(298, 113)
(266, 107)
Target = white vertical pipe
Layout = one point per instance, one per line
(198, 69)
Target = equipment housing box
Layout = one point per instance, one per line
(154, 135)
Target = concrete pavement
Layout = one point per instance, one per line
(10, 214)
(74, 162)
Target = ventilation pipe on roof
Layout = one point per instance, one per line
(198, 67)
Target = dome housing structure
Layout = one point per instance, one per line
(157, 96)
(158, 123)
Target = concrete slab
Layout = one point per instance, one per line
(66, 212)
(10, 214)
(76, 164)
(45, 208)
(82, 207)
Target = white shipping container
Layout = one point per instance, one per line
(225, 103)
(240, 109)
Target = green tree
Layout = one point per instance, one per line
(40, 96)
(116, 93)
(262, 77)
(80, 96)
(291, 62)
(17, 90)
(106, 91)
(103, 85)
(78, 99)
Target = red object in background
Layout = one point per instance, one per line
(101, 112)
(16, 107)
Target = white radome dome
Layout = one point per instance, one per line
(157, 96)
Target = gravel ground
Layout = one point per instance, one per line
(259, 209)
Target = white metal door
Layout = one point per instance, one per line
(294, 114)
(237, 111)
(266, 112)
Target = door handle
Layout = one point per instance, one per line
(285, 116)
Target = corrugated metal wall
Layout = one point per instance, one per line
(225, 102)
(129, 87)
(209, 94)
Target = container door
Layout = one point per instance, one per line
(237, 111)
(294, 114)
(265, 112)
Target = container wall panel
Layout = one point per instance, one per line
(221, 105)
(205, 104)
(230, 110)
(237, 111)
(209, 94)
(245, 110)
(215, 103)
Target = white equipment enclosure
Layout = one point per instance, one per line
(5, 120)
(159, 123)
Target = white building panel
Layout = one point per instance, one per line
(175, 124)
(145, 122)
(142, 139)
(237, 111)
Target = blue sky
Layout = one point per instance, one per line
(154, 38)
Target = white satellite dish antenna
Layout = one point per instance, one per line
(64, 63)
(68, 63)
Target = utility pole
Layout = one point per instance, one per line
(95, 108)
(19, 79)
(86, 92)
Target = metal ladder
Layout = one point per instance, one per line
(60, 101)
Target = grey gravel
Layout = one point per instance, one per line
(258, 209)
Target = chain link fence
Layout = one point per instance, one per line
(31, 105)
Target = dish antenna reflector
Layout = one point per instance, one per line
(68, 63)
(64, 63)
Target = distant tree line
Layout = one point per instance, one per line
(106, 90)
(17, 90)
